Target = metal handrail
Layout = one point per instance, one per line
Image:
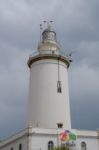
(58, 53)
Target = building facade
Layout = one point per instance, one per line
(45, 139)
(48, 103)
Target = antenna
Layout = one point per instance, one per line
(70, 54)
(41, 32)
(48, 26)
(48, 23)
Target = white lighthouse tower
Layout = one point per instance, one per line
(48, 91)
(49, 123)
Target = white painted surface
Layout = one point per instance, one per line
(15, 144)
(41, 142)
(46, 106)
(41, 137)
(91, 143)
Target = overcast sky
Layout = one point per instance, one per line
(76, 23)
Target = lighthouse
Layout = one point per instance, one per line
(49, 123)
(48, 104)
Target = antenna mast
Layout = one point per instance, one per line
(48, 23)
(41, 32)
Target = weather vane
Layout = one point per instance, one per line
(48, 22)
(41, 26)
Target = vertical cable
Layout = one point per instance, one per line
(59, 87)
(40, 32)
(58, 71)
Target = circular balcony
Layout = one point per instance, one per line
(48, 54)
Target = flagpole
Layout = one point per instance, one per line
(57, 138)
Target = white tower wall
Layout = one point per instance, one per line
(48, 94)
(47, 107)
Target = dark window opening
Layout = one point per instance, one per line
(50, 145)
(59, 125)
(20, 146)
(83, 146)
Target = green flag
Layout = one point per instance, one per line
(72, 136)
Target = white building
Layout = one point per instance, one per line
(48, 104)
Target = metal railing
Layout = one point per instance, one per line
(50, 52)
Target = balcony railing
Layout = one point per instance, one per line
(49, 52)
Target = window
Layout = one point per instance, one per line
(59, 87)
(59, 125)
(20, 146)
(83, 146)
(50, 145)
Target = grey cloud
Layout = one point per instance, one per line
(84, 97)
(80, 23)
(14, 78)
(87, 53)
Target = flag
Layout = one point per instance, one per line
(64, 136)
(67, 135)
(72, 136)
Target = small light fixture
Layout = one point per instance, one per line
(59, 87)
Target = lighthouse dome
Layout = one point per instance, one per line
(48, 35)
(48, 41)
